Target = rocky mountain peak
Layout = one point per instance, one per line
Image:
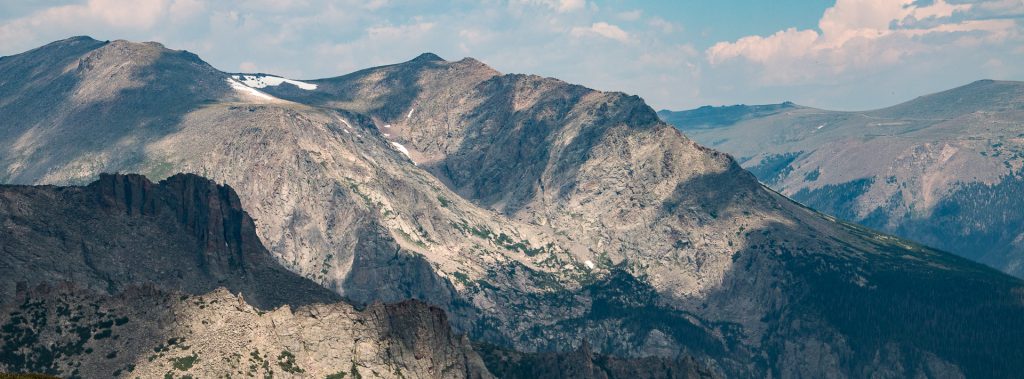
(427, 57)
(537, 213)
(72, 41)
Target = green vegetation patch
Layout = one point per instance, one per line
(185, 363)
(287, 362)
(502, 240)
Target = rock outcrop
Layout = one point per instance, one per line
(185, 233)
(541, 214)
(147, 332)
(126, 276)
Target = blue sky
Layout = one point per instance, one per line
(836, 54)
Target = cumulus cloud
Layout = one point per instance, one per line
(401, 31)
(601, 29)
(104, 15)
(864, 35)
(560, 6)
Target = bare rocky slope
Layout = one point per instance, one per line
(943, 169)
(185, 233)
(125, 276)
(539, 214)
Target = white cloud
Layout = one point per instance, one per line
(858, 35)
(663, 25)
(561, 6)
(570, 5)
(401, 31)
(602, 29)
(106, 15)
(632, 15)
(182, 10)
(139, 14)
(789, 43)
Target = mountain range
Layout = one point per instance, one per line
(943, 169)
(542, 217)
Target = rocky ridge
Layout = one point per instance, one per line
(943, 169)
(125, 276)
(541, 214)
(686, 246)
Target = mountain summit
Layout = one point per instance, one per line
(537, 213)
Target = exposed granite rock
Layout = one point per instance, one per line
(184, 233)
(118, 313)
(146, 332)
(690, 254)
(78, 255)
(540, 214)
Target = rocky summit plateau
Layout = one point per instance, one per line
(542, 228)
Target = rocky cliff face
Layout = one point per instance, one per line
(146, 332)
(541, 214)
(943, 169)
(125, 276)
(184, 233)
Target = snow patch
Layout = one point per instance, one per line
(589, 264)
(261, 81)
(344, 121)
(403, 150)
(246, 90)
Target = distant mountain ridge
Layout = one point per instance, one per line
(708, 117)
(537, 213)
(944, 169)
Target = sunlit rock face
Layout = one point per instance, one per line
(537, 213)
